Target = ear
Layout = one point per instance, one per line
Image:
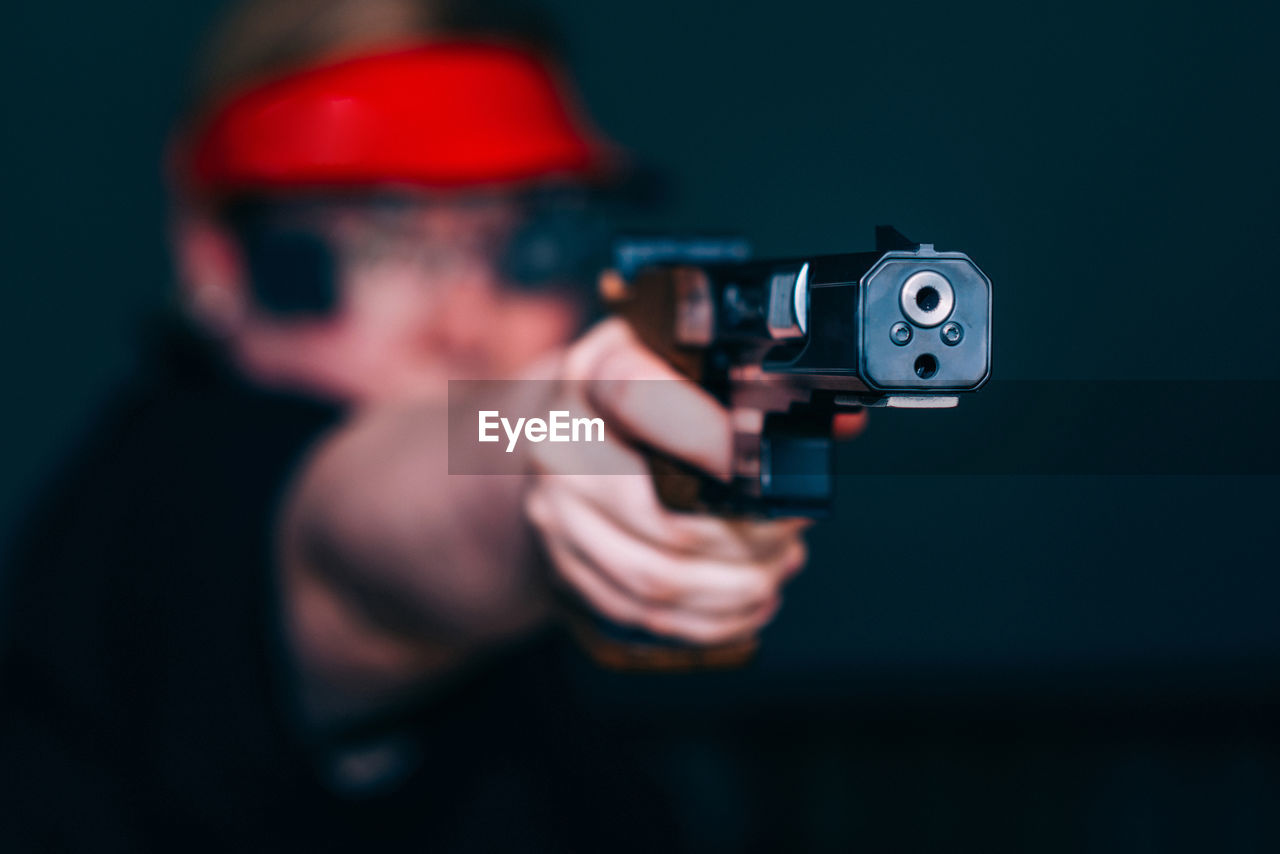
(211, 273)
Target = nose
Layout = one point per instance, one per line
(460, 321)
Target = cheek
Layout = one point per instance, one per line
(530, 327)
(376, 346)
(395, 341)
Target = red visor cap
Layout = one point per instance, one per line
(442, 115)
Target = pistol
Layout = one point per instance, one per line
(785, 345)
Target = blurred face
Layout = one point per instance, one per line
(422, 298)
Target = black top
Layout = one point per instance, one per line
(143, 706)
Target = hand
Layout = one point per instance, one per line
(696, 578)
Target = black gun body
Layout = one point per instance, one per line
(796, 340)
(742, 335)
(851, 306)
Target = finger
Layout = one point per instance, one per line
(579, 574)
(628, 495)
(660, 577)
(689, 627)
(705, 631)
(607, 335)
(637, 392)
(847, 425)
(632, 505)
(603, 461)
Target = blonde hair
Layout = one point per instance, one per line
(257, 39)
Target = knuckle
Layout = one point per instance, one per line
(570, 578)
(684, 536)
(648, 625)
(655, 586)
(535, 507)
(795, 557)
(761, 588)
(613, 395)
(539, 464)
(563, 574)
(657, 623)
(708, 634)
(705, 533)
(614, 609)
(615, 334)
(580, 361)
(618, 612)
(586, 351)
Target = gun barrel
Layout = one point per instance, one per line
(902, 321)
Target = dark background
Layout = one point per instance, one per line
(1069, 662)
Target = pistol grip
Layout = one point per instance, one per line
(635, 650)
(651, 313)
